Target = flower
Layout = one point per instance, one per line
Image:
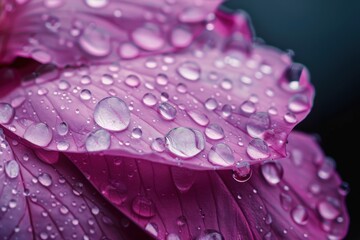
(168, 111)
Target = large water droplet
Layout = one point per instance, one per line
(96, 3)
(39, 134)
(299, 103)
(143, 206)
(148, 37)
(189, 70)
(214, 131)
(221, 154)
(45, 179)
(183, 178)
(300, 215)
(272, 172)
(112, 113)
(199, 117)
(258, 123)
(95, 41)
(258, 149)
(6, 113)
(98, 141)
(12, 169)
(167, 111)
(185, 142)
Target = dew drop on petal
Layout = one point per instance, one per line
(272, 171)
(45, 179)
(152, 228)
(148, 37)
(258, 149)
(136, 133)
(247, 107)
(143, 206)
(12, 169)
(300, 215)
(39, 134)
(290, 118)
(189, 70)
(162, 79)
(95, 41)
(257, 124)
(112, 113)
(181, 88)
(243, 172)
(328, 209)
(7, 113)
(85, 94)
(98, 140)
(149, 99)
(62, 146)
(221, 154)
(96, 3)
(226, 84)
(132, 81)
(214, 131)
(192, 15)
(107, 79)
(158, 145)
(128, 51)
(64, 85)
(167, 111)
(185, 142)
(211, 104)
(62, 129)
(181, 37)
(198, 117)
(183, 178)
(299, 103)
(327, 169)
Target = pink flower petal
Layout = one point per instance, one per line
(40, 201)
(299, 197)
(67, 32)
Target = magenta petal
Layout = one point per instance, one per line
(39, 201)
(298, 197)
(67, 32)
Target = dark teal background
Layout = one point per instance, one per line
(325, 36)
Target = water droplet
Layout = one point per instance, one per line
(290, 118)
(293, 74)
(199, 117)
(246, 80)
(185, 142)
(214, 131)
(62, 146)
(64, 85)
(136, 133)
(221, 154)
(226, 84)
(128, 51)
(143, 206)
(272, 171)
(112, 113)
(152, 228)
(45, 179)
(41, 56)
(162, 79)
(192, 15)
(167, 111)
(39, 134)
(116, 193)
(96, 3)
(328, 208)
(327, 169)
(181, 88)
(62, 129)
(132, 81)
(85, 80)
(299, 103)
(95, 41)
(85, 94)
(285, 201)
(211, 235)
(173, 236)
(226, 110)
(211, 104)
(247, 107)
(243, 172)
(98, 141)
(7, 113)
(149, 99)
(257, 124)
(183, 178)
(158, 145)
(189, 70)
(258, 149)
(12, 169)
(300, 215)
(181, 37)
(107, 79)
(12, 203)
(148, 37)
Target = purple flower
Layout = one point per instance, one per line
(133, 120)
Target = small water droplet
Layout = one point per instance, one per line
(257, 124)
(12, 203)
(226, 84)
(158, 145)
(7, 113)
(272, 171)
(12, 169)
(285, 201)
(198, 117)
(173, 236)
(211, 104)
(185, 142)
(183, 178)
(300, 215)
(181, 37)
(189, 70)
(116, 193)
(167, 111)
(112, 113)
(96, 3)
(148, 37)
(62, 146)
(192, 15)
(62, 129)
(290, 118)
(152, 228)
(221, 154)
(211, 235)
(181, 88)
(45, 179)
(214, 131)
(162, 79)
(39, 134)
(327, 169)
(298, 103)
(98, 141)
(143, 206)
(329, 208)
(149, 99)
(85, 94)
(258, 149)
(107, 79)
(85, 80)
(226, 110)
(95, 41)
(132, 81)
(243, 172)
(247, 107)
(128, 51)
(64, 85)
(136, 133)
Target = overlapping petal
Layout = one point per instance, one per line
(299, 197)
(70, 32)
(42, 201)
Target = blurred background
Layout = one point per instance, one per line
(325, 36)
